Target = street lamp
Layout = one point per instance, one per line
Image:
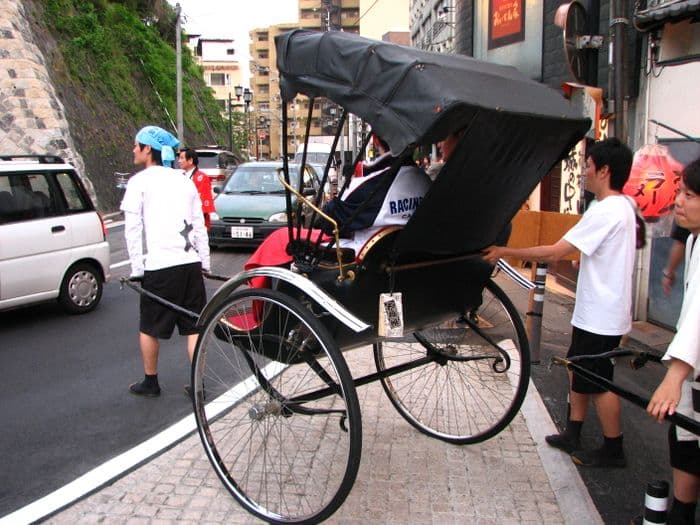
(247, 98)
(239, 91)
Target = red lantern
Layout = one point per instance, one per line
(654, 180)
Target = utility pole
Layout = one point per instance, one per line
(618, 26)
(230, 125)
(178, 73)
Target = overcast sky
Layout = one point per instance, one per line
(234, 18)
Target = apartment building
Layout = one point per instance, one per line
(266, 110)
(222, 72)
(432, 25)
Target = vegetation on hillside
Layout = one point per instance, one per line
(107, 45)
(112, 64)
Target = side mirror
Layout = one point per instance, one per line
(216, 189)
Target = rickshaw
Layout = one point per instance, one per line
(275, 403)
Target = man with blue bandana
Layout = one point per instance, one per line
(163, 206)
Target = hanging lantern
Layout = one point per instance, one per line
(654, 180)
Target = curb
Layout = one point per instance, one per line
(575, 503)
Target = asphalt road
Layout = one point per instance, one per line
(66, 408)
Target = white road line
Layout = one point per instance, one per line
(140, 454)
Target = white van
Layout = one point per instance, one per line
(52, 240)
(317, 154)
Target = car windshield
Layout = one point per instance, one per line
(258, 179)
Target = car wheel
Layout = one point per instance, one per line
(81, 289)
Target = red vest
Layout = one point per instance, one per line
(201, 181)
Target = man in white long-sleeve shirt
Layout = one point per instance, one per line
(163, 206)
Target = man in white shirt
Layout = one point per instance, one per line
(605, 236)
(164, 207)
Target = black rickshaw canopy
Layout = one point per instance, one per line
(515, 129)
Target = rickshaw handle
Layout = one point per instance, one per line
(164, 302)
(680, 420)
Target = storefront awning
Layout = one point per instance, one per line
(665, 11)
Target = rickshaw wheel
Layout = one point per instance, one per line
(283, 458)
(455, 399)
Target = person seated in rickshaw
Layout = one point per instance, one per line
(361, 213)
(359, 219)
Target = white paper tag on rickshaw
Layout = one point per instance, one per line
(390, 315)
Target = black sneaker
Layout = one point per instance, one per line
(563, 442)
(140, 389)
(599, 457)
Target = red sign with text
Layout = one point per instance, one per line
(506, 22)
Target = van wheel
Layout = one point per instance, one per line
(81, 289)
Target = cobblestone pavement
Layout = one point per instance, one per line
(404, 477)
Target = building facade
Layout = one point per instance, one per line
(630, 66)
(432, 25)
(266, 110)
(667, 115)
(220, 65)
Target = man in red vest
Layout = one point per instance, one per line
(189, 163)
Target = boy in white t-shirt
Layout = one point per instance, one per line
(680, 389)
(163, 207)
(605, 236)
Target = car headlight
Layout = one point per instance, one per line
(278, 217)
(214, 216)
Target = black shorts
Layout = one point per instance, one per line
(685, 455)
(182, 285)
(587, 343)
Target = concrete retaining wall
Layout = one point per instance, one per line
(32, 118)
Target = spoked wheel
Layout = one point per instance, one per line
(276, 408)
(478, 379)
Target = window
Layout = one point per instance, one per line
(218, 79)
(72, 196)
(264, 54)
(230, 51)
(223, 103)
(25, 196)
(309, 13)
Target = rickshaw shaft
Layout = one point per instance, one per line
(679, 419)
(164, 302)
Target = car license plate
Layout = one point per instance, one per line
(242, 232)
